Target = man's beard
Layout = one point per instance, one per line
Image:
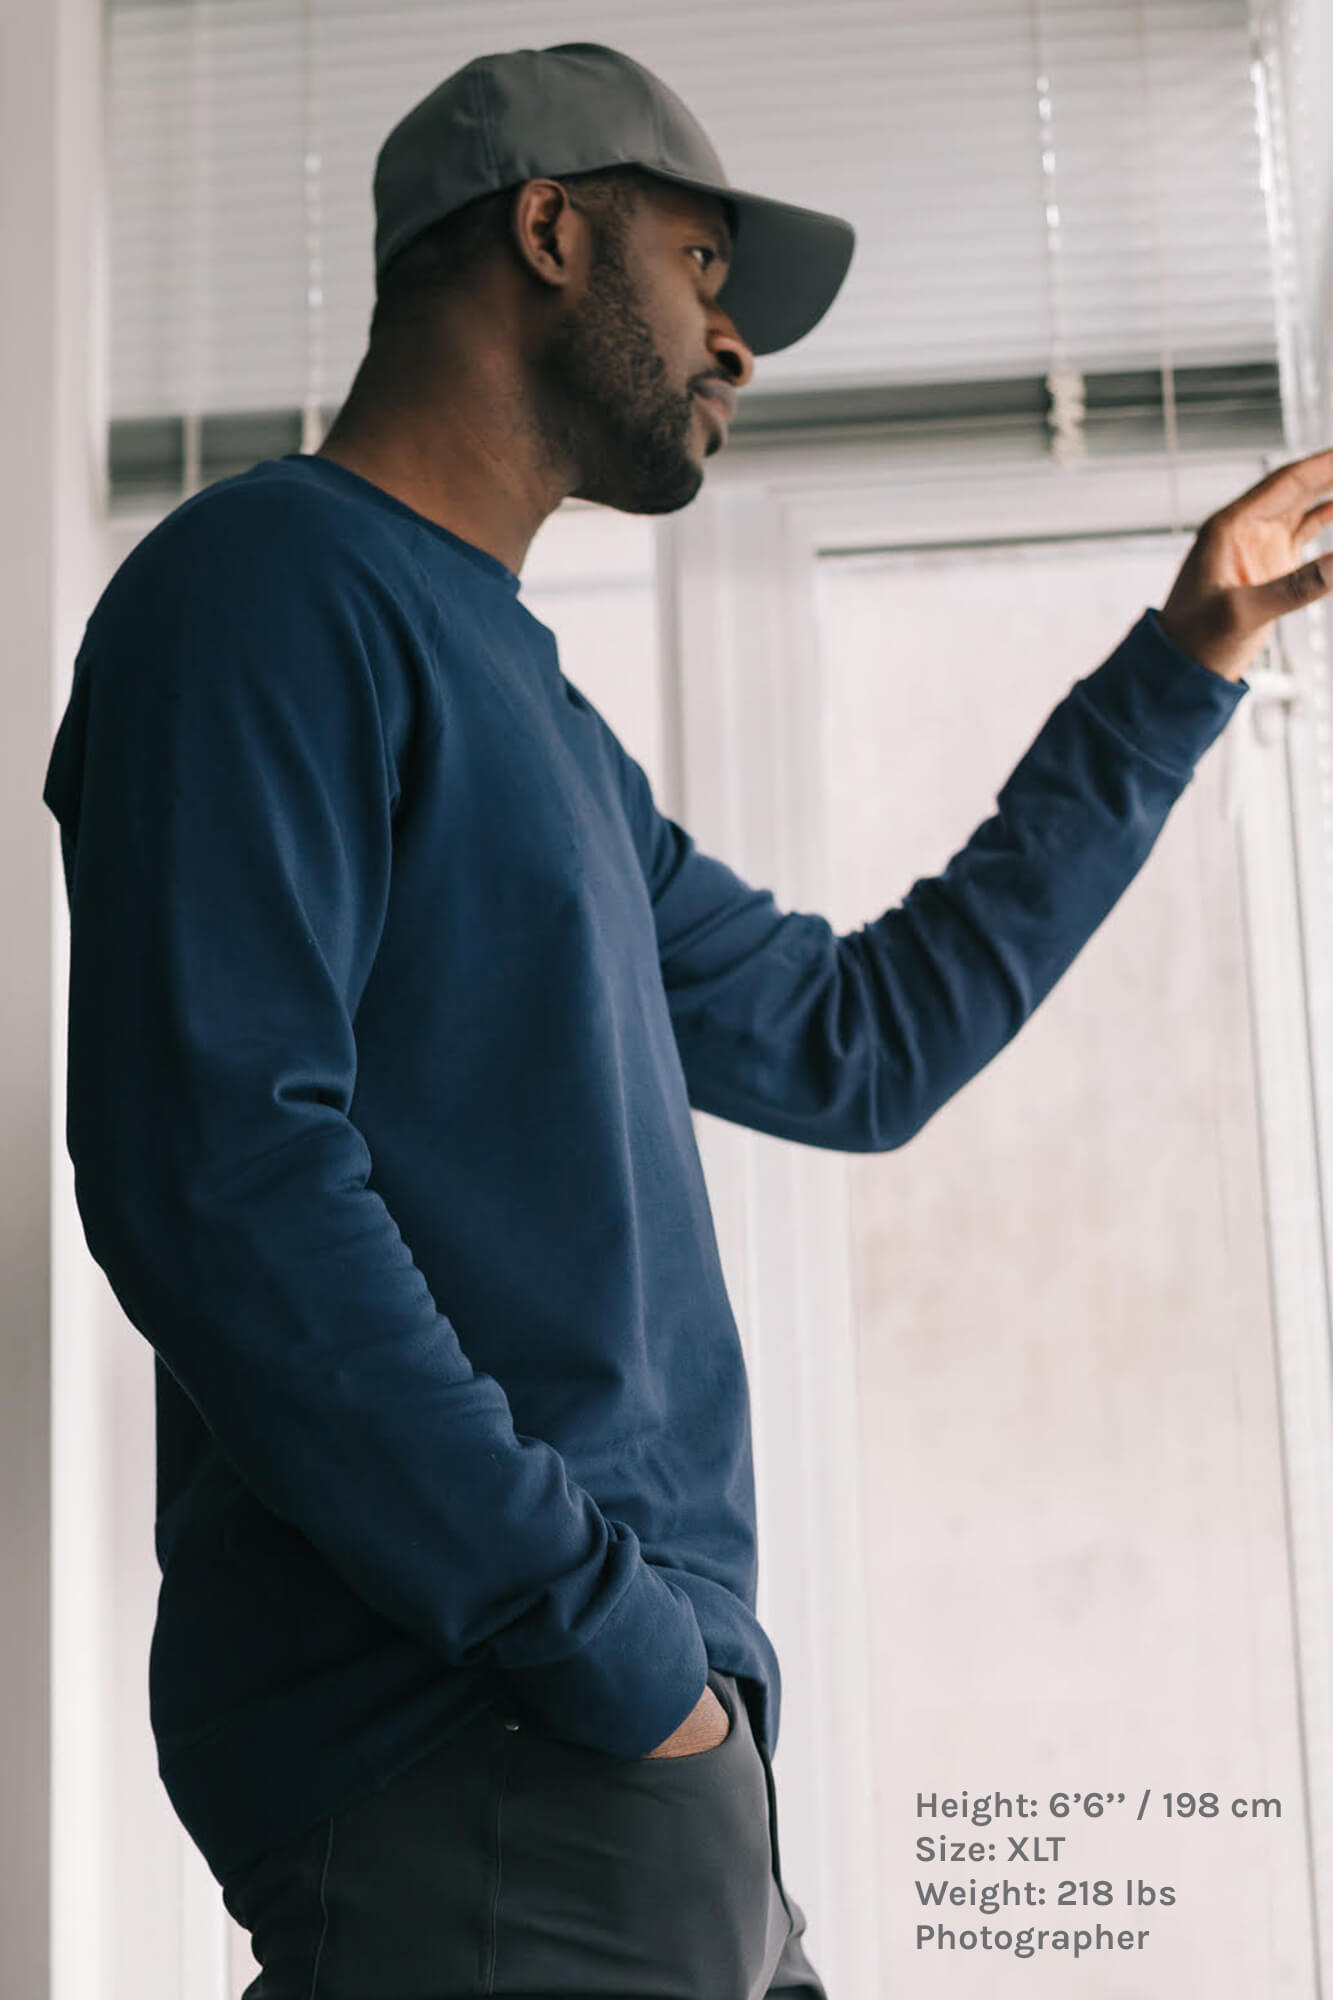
(605, 404)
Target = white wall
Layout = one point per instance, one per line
(50, 111)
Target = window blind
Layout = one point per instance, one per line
(1058, 203)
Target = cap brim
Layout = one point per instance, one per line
(788, 266)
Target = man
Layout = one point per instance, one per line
(390, 992)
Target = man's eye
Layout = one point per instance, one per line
(706, 249)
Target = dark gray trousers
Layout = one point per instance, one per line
(507, 1862)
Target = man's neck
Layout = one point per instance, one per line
(469, 463)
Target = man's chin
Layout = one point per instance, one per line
(637, 495)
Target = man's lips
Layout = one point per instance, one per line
(721, 402)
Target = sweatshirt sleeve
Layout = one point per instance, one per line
(228, 877)
(853, 1042)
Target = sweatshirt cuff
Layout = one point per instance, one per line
(634, 1682)
(1160, 699)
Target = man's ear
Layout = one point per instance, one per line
(547, 230)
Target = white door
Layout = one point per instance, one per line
(1074, 1518)
(1053, 1348)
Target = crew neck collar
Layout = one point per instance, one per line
(329, 468)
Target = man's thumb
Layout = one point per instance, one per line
(1267, 601)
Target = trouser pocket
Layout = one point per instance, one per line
(650, 1875)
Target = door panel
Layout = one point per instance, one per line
(1073, 1509)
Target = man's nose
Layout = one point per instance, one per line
(725, 342)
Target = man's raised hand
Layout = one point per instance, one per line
(1244, 572)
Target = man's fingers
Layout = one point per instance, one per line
(1302, 477)
(1221, 622)
(1290, 486)
(1311, 523)
(1312, 579)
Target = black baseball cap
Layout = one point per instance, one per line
(535, 114)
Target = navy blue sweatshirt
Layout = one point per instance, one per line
(390, 992)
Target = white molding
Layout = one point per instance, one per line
(1290, 916)
(741, 663)
(52, 1580)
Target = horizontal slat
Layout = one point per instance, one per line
(920, 123)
